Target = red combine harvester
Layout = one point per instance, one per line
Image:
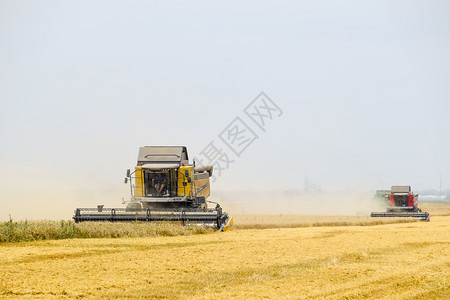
(402, 203)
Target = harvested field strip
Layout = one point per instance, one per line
(99, 250)
(296, 221)
(268, 275)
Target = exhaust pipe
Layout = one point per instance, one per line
(201, 169)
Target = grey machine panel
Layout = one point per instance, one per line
(162, 154)
(400, 189)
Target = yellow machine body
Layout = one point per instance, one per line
(185, 181)
(229, 226)
(139, 182)
(191, 185)
(202, 185)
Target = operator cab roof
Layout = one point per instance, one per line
(167, 155)
(401, 189)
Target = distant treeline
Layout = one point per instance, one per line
(445, 195)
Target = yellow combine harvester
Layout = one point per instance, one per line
(166, 188)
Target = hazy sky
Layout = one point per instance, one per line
(364, 87)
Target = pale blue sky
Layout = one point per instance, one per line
(364, 87)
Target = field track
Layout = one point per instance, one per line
(405, 261)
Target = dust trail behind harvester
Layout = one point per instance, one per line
(298, 203)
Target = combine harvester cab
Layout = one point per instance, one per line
(164, 187)
(402, 203)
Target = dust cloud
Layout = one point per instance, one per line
(298, 203)
(56, 200)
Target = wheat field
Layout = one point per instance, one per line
(436, 208)
(24, 231)
(404, 261)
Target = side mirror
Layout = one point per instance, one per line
(128, 172)
(126, 180)
(186, 173)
